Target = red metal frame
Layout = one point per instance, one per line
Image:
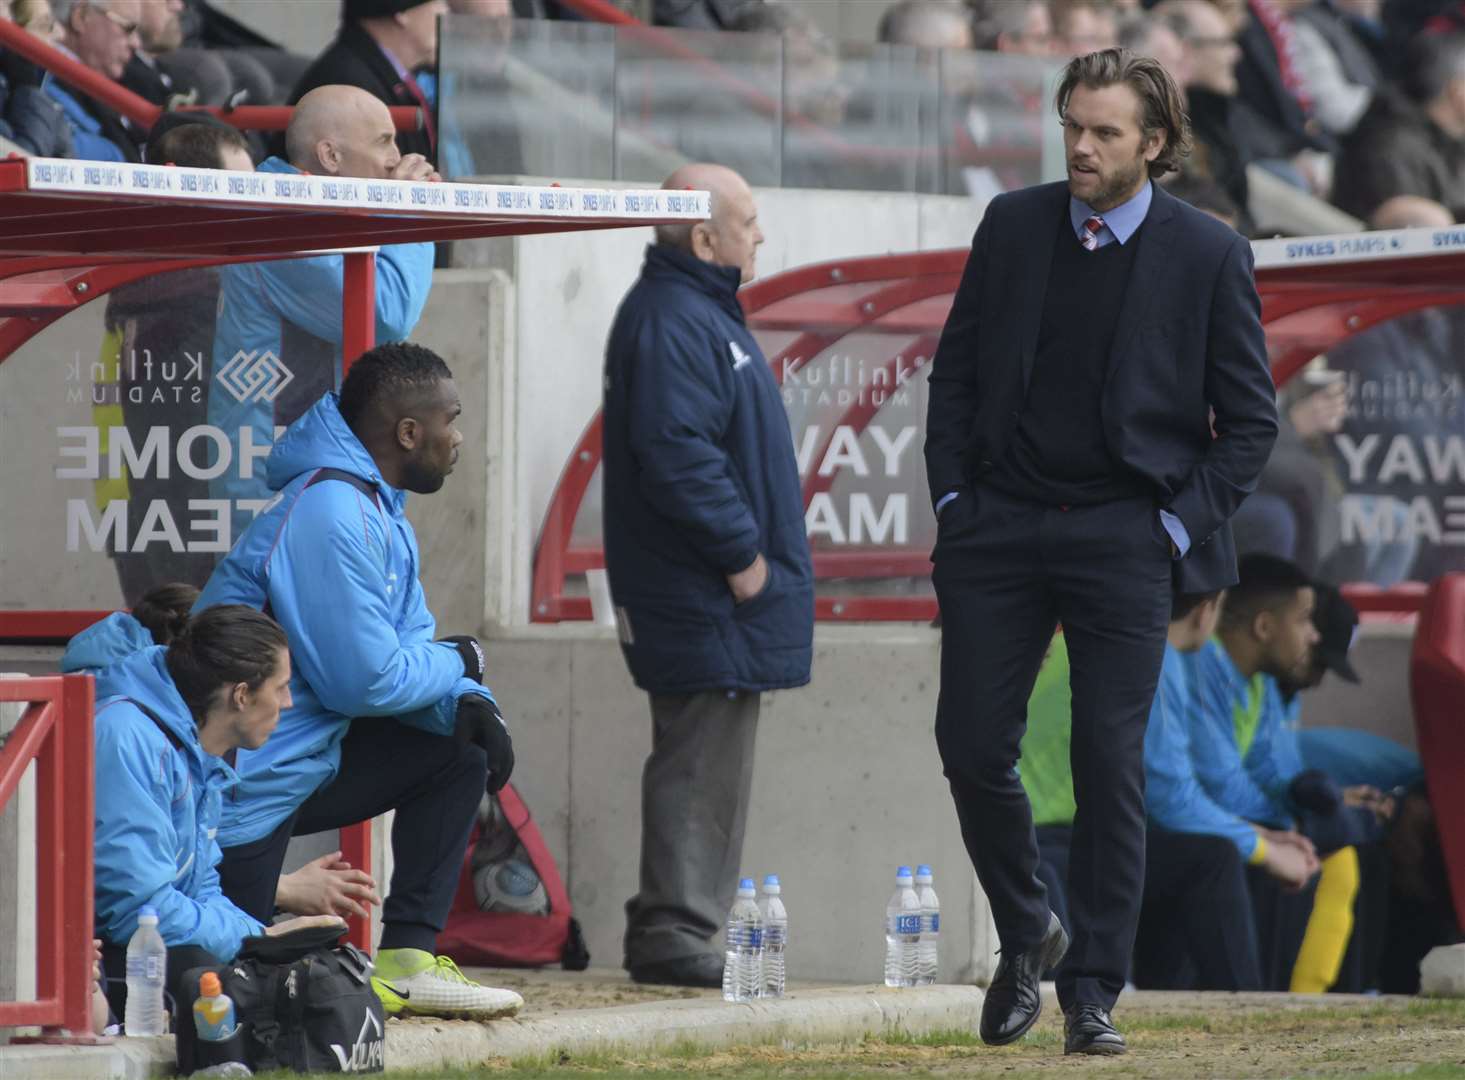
(1306, 310)
(144, 113)
(55, 733)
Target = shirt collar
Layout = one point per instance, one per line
(1123, 220)
(397, 66)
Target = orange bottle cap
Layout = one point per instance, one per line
(208, 985)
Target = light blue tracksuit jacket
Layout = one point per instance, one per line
(104, 643)
(285, 317)
(157, 815)
(340, 573)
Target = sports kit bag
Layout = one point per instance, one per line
(511, 908)
(301, 1000)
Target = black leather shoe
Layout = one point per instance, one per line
(1013, 1004)
(704, 969)
(1087, 1029)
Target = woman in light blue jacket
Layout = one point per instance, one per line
(158, 617)
(166, 719)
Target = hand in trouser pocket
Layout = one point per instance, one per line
(480, 722)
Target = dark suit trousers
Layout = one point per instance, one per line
(1006, 573)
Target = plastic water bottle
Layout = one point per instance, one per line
(147, 967)
(775, 936)
(213, 1010)
(742, 968)
(930, 948)
(902, 931)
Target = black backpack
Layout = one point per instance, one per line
(301, 1001)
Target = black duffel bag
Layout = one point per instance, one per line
(301, 1000)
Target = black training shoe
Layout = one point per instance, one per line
(703, 970)
(1013, 1003)
(1087, 1029)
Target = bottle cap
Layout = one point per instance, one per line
(208, 985)
(771, 885)
(746, 887)
(902, 872)
(147, 911)
(923, 871)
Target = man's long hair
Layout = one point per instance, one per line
(1161, 106)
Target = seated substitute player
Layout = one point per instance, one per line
(1267, 633)
(383, 716)
(165, 719)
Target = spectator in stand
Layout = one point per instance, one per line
(102, 34)
(1084, 26)
(709, 565)
(380, 716)
(166, 720)
(1411, 142)
(1273, 119)
(380, 44)
(927, 24)
(1410, 212)
(1022, 27)
(1210, 97)
(259, 71)
(164, 73)
(35, 16)
(1206, 196)
(700, 14)
(291, 310)
(1147, 36)
(30, 118)
(1335, 65)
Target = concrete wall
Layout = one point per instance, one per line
(847, 785)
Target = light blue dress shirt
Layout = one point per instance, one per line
(1120, 223)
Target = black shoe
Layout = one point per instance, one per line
(1013, 1003)
(1087, 1029)
(703, 969)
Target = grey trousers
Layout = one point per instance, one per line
(694, 805)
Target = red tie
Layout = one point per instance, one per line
(1091, 227)
(410, 85)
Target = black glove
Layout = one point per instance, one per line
(481, 723)
(1315, 792)
(472, 654)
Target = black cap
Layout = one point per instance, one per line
(351, 10)
(1336, 621)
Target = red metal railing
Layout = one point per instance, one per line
(144, 113)
(55, 733)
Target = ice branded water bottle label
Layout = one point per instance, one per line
(935, 923)
(153, 967)
(753, 937)
(907, 924)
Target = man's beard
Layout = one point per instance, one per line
(1116, 188)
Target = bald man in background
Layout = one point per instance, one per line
(280, 331)
(708, 562)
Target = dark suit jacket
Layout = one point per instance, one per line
(355, 59)
(1189, 340)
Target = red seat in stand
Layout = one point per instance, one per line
(1437, 682)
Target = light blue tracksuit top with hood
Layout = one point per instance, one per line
(340, 574)
(157, 814)
(103, 643)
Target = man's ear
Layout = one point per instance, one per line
(328, 155)
(409, 433)
(1263, 623)
(1154, 145)
(239, 695)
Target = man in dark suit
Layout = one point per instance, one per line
(381, 44)
(1098, 326)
